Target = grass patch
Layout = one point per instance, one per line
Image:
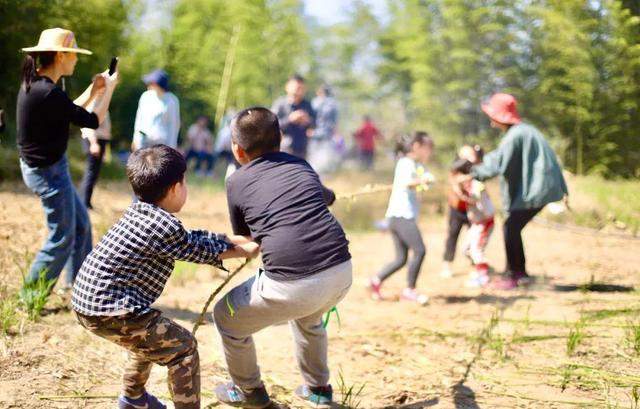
(8, 311)
(597, 202)
(34, 295)
(609, 313)
(350, 394)
(633, 337)
(576, 336)
(183, 273)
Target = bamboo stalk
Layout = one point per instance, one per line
(226, 75)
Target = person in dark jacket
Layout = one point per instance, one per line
(296, 116)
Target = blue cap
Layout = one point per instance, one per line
(159, 77)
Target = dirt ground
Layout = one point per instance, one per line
(466, 349)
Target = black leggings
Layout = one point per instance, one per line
(406, 235)
(457, 219)
(91, 171)
(513, 225)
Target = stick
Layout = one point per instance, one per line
(226, 75)
(68, 397)
(215, 292)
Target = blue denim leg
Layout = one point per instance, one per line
(83, 241)
(53, 185)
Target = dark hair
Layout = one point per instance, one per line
(256, 130)
(31, 62)
(405, 143)
(479, 152)
(153, 171)
(296, 77)
(326, 88)
(461, 166)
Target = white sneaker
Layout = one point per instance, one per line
(446, 273)
(410, 294)
(476, 280)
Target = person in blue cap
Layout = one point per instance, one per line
(158, 115)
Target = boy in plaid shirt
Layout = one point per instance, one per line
(127, 271)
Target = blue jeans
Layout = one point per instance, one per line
(69, 238)
(200, 157)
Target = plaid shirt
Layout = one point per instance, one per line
(128, 269)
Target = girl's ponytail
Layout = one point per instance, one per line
(28, 71)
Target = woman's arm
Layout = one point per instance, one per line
(102, 106)
(94, 89)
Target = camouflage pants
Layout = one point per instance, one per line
(151, 338)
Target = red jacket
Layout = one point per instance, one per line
(366, 136)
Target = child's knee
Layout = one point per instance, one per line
(221, 313)
(420, 251)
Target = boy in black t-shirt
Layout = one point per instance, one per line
(278, 200)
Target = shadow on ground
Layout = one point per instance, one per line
(484, 299)
(593, 287)
(464, 397)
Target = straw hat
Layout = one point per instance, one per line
(57, 39)
(502, 108)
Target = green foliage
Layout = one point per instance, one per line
(574, 66)
(34, 295)
(272, 45)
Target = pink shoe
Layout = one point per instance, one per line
(374, 288)
(504, 283)
(410, 294)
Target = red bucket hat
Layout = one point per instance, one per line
(502, 108)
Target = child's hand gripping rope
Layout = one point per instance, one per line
(426, 178)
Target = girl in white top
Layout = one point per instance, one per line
(410, 177)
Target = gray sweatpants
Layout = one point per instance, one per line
(261, 302)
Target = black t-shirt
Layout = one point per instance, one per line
(43, 117)
(279, 201)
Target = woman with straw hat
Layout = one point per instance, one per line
(44, 112)
(530, 178)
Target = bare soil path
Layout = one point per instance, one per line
(466, 349)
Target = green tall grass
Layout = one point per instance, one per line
(34, 295)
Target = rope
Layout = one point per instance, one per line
(215, 292)
(585, 231)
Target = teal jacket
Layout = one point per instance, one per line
(530, 176)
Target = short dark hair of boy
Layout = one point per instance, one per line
(462, 166)
(297, 78)
(153, 171)
(256, 130)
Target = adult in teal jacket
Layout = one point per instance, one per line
(530, 178)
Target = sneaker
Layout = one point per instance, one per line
(410, 294)
(477, 280)
(374, 288)
(522, 278)
(146, 401)
(316, 397)
(232, 395)
(446, 270)
(382, 225)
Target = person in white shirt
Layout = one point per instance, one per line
(409, 178)
(158, 115)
